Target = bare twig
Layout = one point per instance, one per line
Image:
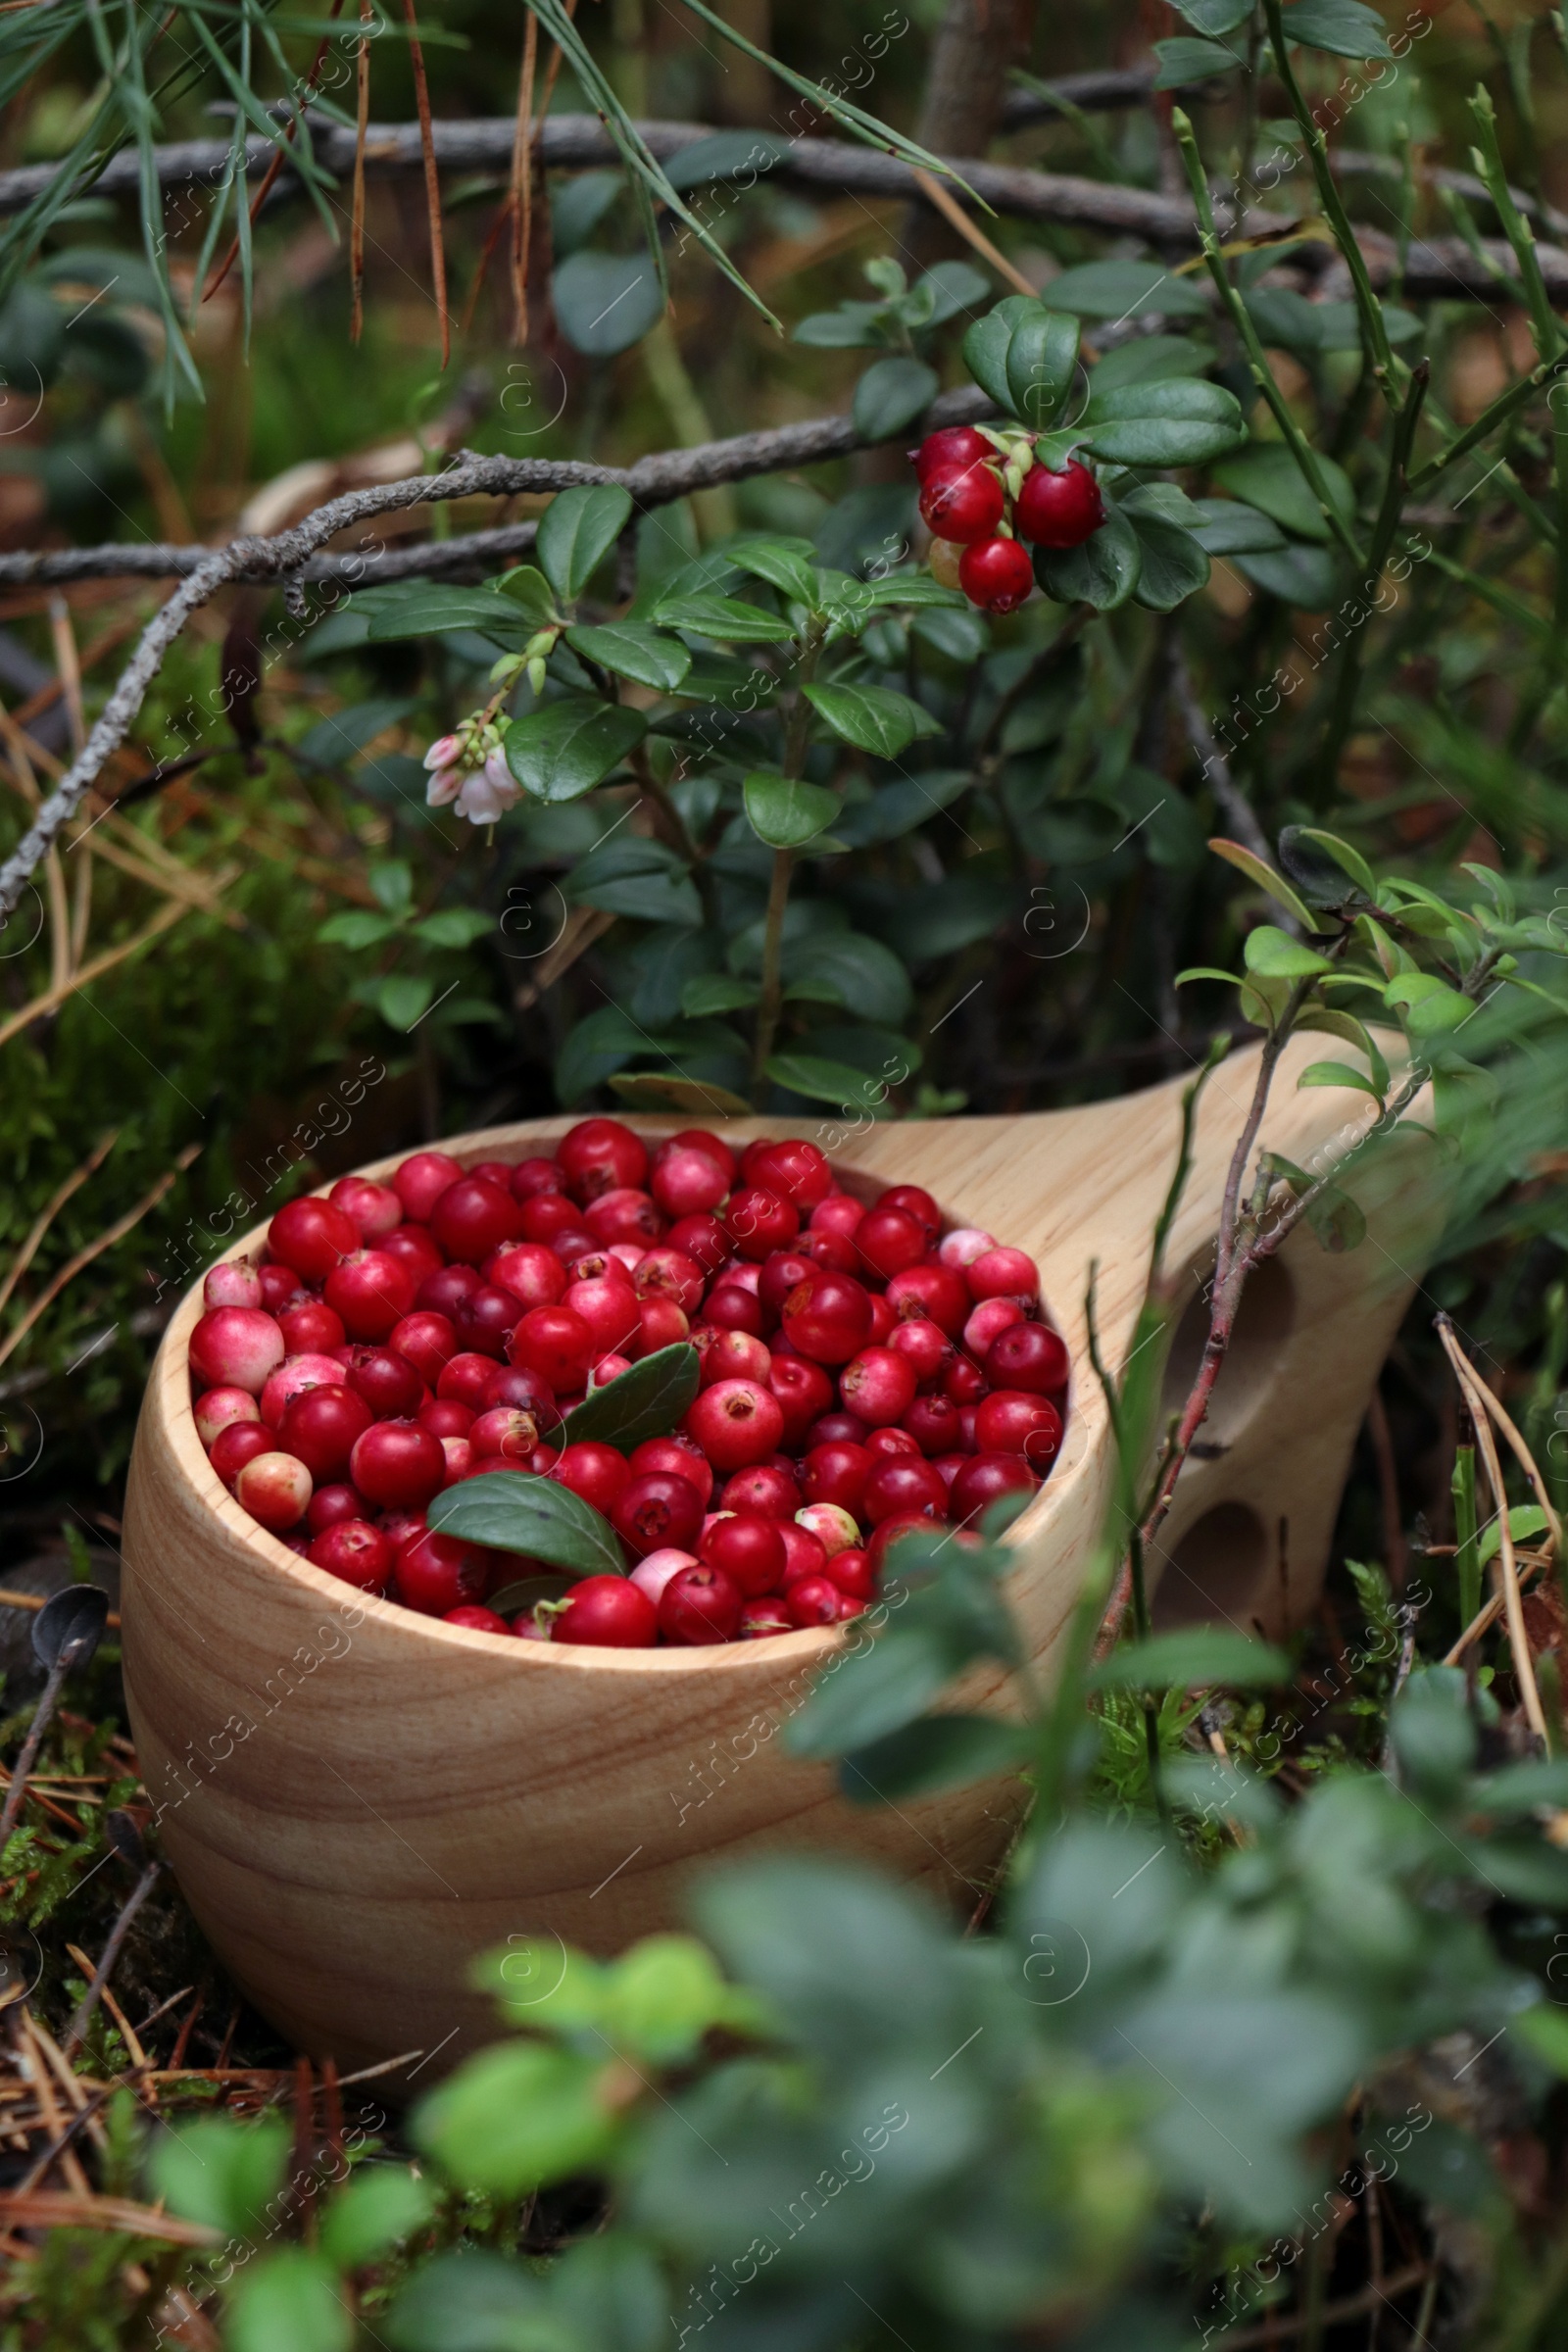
(432, 183)
(361, 125)
(1239, 812)
(653, 482)
(51, 1210)
(1444, 268)
(972, 233)
(81, 2017)
(95, 1248)
(1475, 1394)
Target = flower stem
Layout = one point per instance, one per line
(797, 741)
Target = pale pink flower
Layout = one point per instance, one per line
(443, 752)
(489, 792)
(444, 785)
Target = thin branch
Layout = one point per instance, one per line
(1518, 1639)
(432, 183)
(1239, 814)
(653, 482)
(95, 1249)
(1441, 268)
(51, 1210)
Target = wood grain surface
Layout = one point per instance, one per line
(358, 1801)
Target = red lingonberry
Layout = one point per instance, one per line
(548, 1215)
(473, 1218)
(761, 1619)
(655, 1511)
(1058, 510)
(312, 1328)
(412, 1246)
(924, 1347)
(933, 1423)
(803, 1391)
(668, 1273)
(599, 1473)
(397, 1466)
(556, 1342)
(531, 1270)
(292, 1379)
(963, 1381)
(353, 1549)
(795, 1170)
(422, 1180)
(878, 1386)
(425, 1340)
(890, 1532)
(883, 1443)
(916, 1202)
(805, 1555)
(996, 574)
(448, 1291)
(702, 1239)
(962, 502)
(625, 1214)
(532, 1176)
(903, 1483)
(780, 1275)
(984, 1479)
(834, 1252)
(275, 1488)
(320, 1427)
(236, 1347)
(661, 1323)
(279, 1288)
(513, 1384)
(597, 1155)
(504, 1435)
(372, 1292)
(930, 1288)
(477, 1619)
(736, 1355)
(1030, 1356)
(889, 1239)
(677, 1455)
(435, 1573)
(968, 1415)
(1011, 1421)
(828, 1317)
(749, 1549)
(838, 1212)
(698, 1607)
(733, 1309)
(446, 1417)
(391, 1384)
(570, 1247)
(735, 1423)
(240, 1442)
(837, 1473)
(221, 1409)
(951, 445)
(607, 1612)
(373, 1209)
(764, 1489)
(1002, 1273)
(950, 1464)
(815, 1599)
(609, 1308)
(334, 1506)
(853, 1573)
(310, 1236)
(835, 1429)
(685, 1180)
(759, 1222)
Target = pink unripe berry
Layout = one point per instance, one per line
(1000, 1273)
(878, 1386)
(374, 1208)
(236, 1347)
(291, 1380)
(219, 1409)
(234, 1284)
(990, 1318)
(274, 1489)
(653, 1574)
(963, 1245)
(830, 1524)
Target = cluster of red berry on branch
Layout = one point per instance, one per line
(859, 1371)
(982, 493)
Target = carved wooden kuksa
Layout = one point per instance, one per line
(357, 1800)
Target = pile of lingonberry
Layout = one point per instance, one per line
(862, 1372)
(982, 492)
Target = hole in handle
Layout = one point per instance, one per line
(1215, 1571)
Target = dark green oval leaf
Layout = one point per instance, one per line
(646, 654)
(644, 1403)
(565, 748)
(577, 530)
(515, 1511)
(1187, 1659)
(785, 813)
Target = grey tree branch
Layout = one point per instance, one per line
(285, 556)
(1437, 269)
(1239, 814)
(654, 481)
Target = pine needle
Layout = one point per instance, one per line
(357, 228)
(432, 185)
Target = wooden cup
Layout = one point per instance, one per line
(357, 1800)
